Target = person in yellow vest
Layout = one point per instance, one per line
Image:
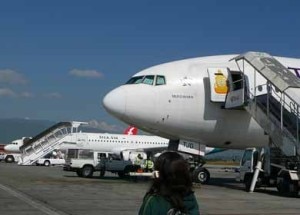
(148, 165)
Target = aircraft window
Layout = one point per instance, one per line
(149, 79)
(160, 80)
(135, 80)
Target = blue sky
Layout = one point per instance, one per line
(59, 58)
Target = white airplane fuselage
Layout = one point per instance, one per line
(182, 107)
(14, 146)
(115, 143)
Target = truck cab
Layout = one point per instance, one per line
(247, 166)
(274, 175)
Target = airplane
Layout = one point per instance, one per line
(184, 102)
(14, 146)
(119, 144)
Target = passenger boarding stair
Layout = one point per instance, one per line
(271, 94)
(47, 141)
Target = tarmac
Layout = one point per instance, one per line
(38, 190)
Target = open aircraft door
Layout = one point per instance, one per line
(226, 86)
(218, 84)
(235, 97)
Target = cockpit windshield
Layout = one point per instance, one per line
(160, 80)
(135, 80)
(148, 79)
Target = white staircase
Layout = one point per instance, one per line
(47, 141)
(271, 94)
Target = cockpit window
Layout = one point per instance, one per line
(135, 80)
(149, 79)
(160, 80)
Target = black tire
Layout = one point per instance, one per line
(79, 173)
(201, 175)
(87, 171)
(121, 174)
(9, 159)
(47, 163)
(287, 187)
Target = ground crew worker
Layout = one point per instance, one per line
(138, 160)
(149, 165)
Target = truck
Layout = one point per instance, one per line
(85, 162)
(277, 171)
(50, 161)
(53, 158)
(1, 156)
(11, 157)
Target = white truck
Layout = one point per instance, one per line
(50, 161)
(85, 162)
(53, 158)
(277, 171)
(2, 156)
(12, 157)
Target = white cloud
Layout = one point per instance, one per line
(11, 77)
(86, 73)
(54, 95)
(5, 92)
(104, 126)
(26, 95)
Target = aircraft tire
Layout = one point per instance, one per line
(9, 159)
(87, 171)
(201, 175)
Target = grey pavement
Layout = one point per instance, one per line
(49, 190)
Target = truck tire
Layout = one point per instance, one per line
(121, 174)
(9, 159)
(201, 175)
(87, 171)
(47, 163)
(286, 186)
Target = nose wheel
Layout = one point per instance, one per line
(201, 175)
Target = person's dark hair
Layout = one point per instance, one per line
(174, 181)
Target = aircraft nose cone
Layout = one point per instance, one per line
(115, 102)
(7, 148)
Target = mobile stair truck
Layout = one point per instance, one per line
(271, 94)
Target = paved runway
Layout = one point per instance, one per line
(37, 190)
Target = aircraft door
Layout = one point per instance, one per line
(235, 97)
(82, 140)
(218, 83)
